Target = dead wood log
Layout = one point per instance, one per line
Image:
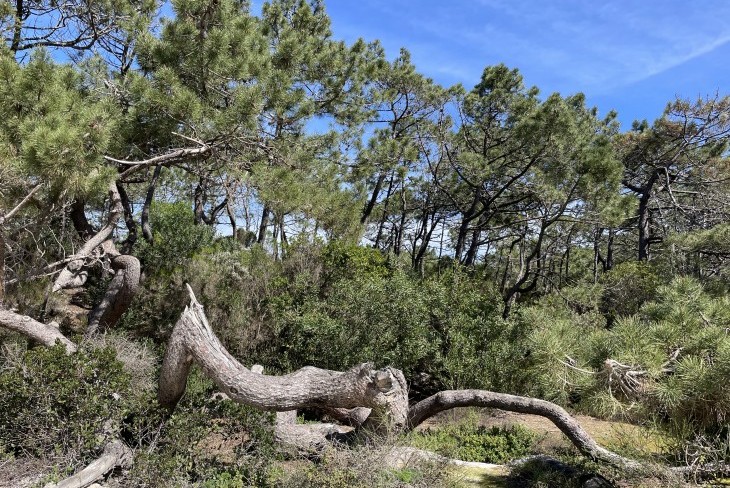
(46, 334)
(446, 400)
(116, 454)
(383, 391)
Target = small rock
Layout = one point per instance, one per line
(596, 481)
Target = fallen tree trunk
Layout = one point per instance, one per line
(116, 454)
(446, 400)
(384, 391)
(46, 334)
(369, 399)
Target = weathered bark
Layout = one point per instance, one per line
(145, 217)
(115, 454)
(69, 274)
(446, 400)
(45, 334)
(304, 438)
(119, 294)
(384, 391)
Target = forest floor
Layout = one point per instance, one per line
(628, 439)
(612, 434)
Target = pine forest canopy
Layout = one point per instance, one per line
(129, 141)
(269, 127)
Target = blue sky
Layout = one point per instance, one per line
(626, 55)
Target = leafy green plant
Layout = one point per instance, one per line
(217, 443)
(176, 237)
(67, 404)
(471, 442)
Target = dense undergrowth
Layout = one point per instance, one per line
(334, 305)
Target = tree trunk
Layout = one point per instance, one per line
(425, 241)
(609, 249)
(264, 224)
(471, 253)
(119, 294)
(384, 391)
(373, 198)
(402, 224)
(46, 334)
(115, 454)
(384, 216)
(125, 283)
(446, 400)
(145, 217)
(199, 198)
(644, 227)
(129, 221)
(68, 276)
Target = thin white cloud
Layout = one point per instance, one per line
(614, 44)
(569, 45)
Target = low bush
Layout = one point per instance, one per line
(69, 405)
(205, 442)
(468, 441)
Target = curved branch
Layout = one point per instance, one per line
(119, 294)
(384, 391)
(446, 400)
(115, 454)
(45, 334)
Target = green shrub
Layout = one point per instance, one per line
(678, 345)
(204, 441)
(176, 237)
(626, 288)
(367, 318)
(343, 260)
(471, 442)
(70, 405)
(478, 348)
